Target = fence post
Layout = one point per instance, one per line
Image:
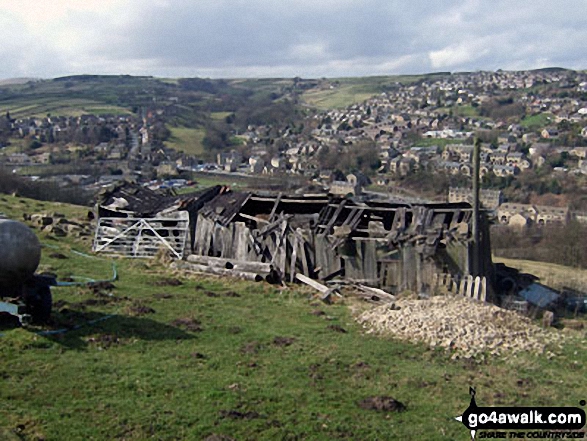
(484, 289)
(477, 288)
(470, 286)
(463, 287)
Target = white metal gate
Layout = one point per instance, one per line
(141, 237)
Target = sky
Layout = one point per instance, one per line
(287, 38)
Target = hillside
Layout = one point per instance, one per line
(170, 356)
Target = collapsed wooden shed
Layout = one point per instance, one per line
(388, 245)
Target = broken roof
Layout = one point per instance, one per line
(139, 201)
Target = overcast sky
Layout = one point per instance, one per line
(287, 38)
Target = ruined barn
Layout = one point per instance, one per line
(393, 246)
(381, 244)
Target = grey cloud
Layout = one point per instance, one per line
(327, 37)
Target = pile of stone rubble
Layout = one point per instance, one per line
(58, 225)
(467, 328)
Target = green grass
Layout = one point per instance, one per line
(465, 111)
(352, 90)
(35, 107)
(335, 98)
(219, 116)
(187, 140)
(204, 180)
(553, 275)
(139, 376)
(538, 121)
(235, 182)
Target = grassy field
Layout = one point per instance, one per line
(78, 95)
(204, 180)
(41, 107)
(219, 116)
(187, 140)
(335, 98)
(169, 356)
(555, 276)
(534, 122)
(352, 91)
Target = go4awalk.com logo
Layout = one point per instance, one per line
(528, 422)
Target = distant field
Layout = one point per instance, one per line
(352, 91)
(187, 140)
(335, 98)
(555, 276)
(536, 121)
(40, 108)
(218, 116)
(465, 111)
(205, 180)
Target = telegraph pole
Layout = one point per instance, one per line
(476, 236)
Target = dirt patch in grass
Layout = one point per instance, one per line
(252, 347)
(234, 330)
(58, 256)
(382, 404)
(524, 382)
(337, 328)
(215, 437)
(94, 302)
(162, 296)
(138, 310)
(101, 287)
(60, 304)
(314, 372)
(189, 324)
(236, 415)
(283, 341)
(169, 281)
(105, 341)
(231, 294)
(361, 365)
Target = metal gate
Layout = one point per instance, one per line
(141, 237)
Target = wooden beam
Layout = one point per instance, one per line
(323, 289)
(294, 254)
(196, 268)
(275, 205)
(333, 218)
(219, 262)
(253, 218)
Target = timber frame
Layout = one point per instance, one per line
(388, 245)
(380, 244)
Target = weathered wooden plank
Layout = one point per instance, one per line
(253, 218)
(294, 255)
(240, 241)
(220, 262)
(275, 205)
(333, 218)
(323, 289)
(376, 291)
(370, 260)
(206, 269)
